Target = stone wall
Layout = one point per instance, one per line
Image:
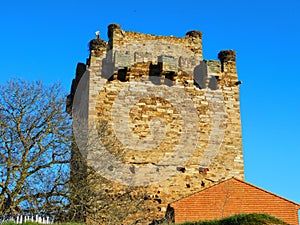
(168, 123)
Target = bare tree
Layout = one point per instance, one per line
(98, 200)
(35, 139)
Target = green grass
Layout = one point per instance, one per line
(241, 219)
(26, 223)
(71, 223)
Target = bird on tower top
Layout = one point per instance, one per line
(97, 34)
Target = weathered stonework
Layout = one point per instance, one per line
(209, 87)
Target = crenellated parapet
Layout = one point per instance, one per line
(167, 56)
(118, 37)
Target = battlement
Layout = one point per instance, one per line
(168, 55)
(118, 37)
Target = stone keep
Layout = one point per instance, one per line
(157, 123)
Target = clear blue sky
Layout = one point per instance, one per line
(45, 39)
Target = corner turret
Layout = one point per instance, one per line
(228, 67)
(195, 41)
(97, 46)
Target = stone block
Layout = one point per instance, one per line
(168, 63)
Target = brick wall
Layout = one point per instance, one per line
(233, 197)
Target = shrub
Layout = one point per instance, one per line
(242, 219)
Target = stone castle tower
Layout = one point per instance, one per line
(154, 122)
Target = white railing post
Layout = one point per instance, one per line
(23, 218)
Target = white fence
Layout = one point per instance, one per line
(24, 218)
